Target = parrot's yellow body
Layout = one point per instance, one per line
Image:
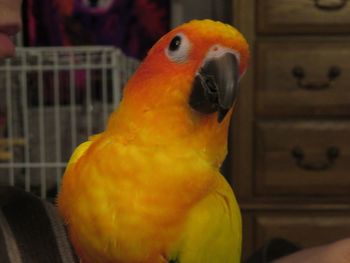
(148, 189)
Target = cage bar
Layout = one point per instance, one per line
(57, 119)
(24, 100)
(9, 122)
(45, 105)
(41, 124)
(72, 94)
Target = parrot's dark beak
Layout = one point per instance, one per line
(215, 86)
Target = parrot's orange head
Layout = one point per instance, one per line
(194, 44)
(189, 77)
(201, 60)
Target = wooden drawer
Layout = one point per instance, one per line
(307, 229)
(248, 246)
(305, 158)
(303, 16)
(303, 78)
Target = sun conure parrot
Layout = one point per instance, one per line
(148, 189)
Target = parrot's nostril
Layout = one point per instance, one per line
(215, 48)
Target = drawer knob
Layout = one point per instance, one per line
(298, 154)
(299, 73)
(320, 4)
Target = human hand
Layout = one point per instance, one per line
(338, 252)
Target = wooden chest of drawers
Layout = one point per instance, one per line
(302, 77)
(291, 137)
(302, 158)
(302, 16)
(307, 228)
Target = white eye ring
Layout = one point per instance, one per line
(178, 48)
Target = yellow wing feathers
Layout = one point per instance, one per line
(213, 229)
(82, 148)
(79, 151)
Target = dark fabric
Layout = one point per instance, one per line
(4, 257)
(274, 249)
(12, 251)
(65, 247)
(34, 229)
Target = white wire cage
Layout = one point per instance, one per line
(51, 100)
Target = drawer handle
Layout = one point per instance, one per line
(330, 7)
(299, 73)
(332, 154)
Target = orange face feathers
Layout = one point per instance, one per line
(165, 69)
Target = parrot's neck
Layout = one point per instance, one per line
(171, 127)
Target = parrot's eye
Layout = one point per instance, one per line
(175, 43)
(178, 48)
